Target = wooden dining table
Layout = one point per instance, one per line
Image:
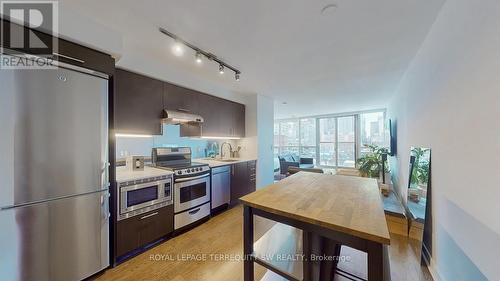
(316, 214)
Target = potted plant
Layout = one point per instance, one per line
(370, 164)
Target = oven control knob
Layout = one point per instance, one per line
(192, 170)
(179, 172)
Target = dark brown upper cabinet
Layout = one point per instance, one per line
(180, 99)
(138, 103)
(239, 120)
(210, 111)
(78, 55)
(66, 51)
(222, 118)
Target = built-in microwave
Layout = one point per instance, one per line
(141, 196)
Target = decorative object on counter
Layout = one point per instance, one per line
(212, 149)
(135, 163)
(236, 153)
(371, 164)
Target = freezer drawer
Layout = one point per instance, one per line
(191, 216)
(221, 186)
(65, 239)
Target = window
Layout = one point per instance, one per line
(333, 141)
(308, 138)
(372, 130)
(327, 139)
(346, 142)
(288, 137)
(276, 148)
(289, 133)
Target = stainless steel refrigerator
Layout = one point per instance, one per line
(54, 215)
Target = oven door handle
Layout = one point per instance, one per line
(192, 178)
(194, 211)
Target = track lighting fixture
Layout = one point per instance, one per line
(178, 50)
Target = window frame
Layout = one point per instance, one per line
(357, 135)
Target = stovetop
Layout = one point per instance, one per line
(186, 169)
(181, 166)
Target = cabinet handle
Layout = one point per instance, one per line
(69, 58)
(194, 211)
(150, 215)
(183, 109)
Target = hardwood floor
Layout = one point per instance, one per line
(216, 247)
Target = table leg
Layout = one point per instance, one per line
(248, 272)
(375, 261)
(306, 248)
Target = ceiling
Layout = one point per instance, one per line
(348, 58)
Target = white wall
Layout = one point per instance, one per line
(449, 100)
(265, 133)
(258, 143)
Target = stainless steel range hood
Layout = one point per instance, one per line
(175, 117)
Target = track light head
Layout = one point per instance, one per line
(221, 69)
(198, 58)
(178, 49)
(237, 76)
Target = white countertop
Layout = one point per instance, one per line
(124, 174)
(214, 163)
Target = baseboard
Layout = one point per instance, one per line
(432, 269)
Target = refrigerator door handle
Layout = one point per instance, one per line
(105, 175)
(105, 207)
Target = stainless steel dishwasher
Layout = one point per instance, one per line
(221, 187)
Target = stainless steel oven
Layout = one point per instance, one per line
(141, 196)
(191, 191)
(191, 184)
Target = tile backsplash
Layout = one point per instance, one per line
(171, 138)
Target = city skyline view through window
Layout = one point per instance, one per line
(332, 141)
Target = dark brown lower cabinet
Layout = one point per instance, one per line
(136, 232)
(243, 179)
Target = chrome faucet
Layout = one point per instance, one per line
(222, 149)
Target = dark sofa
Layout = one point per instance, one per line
(290, 160)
